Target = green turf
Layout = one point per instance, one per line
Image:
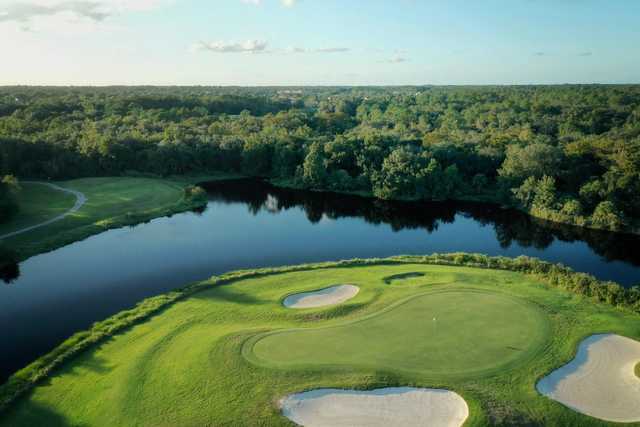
(185, 365)
(637, 370)
(37, 203)
(111, 202)
(442, 334)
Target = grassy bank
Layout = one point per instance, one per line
(189, 357)
(37, 203)
(111, 202)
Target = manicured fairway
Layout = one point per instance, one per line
(185, 366)
(443, 334)
(37, 203)
(110, 202)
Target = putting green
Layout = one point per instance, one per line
(444, 334)
(495, 335)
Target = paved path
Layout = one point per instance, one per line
(80, 200)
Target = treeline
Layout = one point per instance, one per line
(564, 153)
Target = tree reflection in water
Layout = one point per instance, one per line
(510, 225)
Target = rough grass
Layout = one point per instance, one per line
(111, 202)
(184, 365)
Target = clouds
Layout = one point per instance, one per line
(62, 12)
(25, 12)
(258, 46)
(285, 3)
(331, 49)
(317, 50)
(248, 46)
(583, 54)
(395, 60)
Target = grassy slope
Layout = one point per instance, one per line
(37, 203)
(184, 366)
(111, 202)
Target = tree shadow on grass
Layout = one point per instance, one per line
(28, 413)
(228, 294)
(87, 361)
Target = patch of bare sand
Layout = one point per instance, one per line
(323, 297)
(397, 406)
(600, 381)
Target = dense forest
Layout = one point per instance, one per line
(565, 153)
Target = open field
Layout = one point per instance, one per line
(192, 363)
(111, 202)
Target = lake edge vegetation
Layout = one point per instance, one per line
(567, 153)
(554, 275)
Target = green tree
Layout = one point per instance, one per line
(535, 160)
(398, 176)
(526, 193)
(545, 193)
(606, 215)
(314, 172)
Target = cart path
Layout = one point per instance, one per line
(80, 200)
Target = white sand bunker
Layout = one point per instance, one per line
(398, 406)
(600, 381)
(323, 297)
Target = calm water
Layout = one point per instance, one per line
(248, 223)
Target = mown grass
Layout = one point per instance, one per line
(111, 202)
(185, 366)
(449, 332)
(637, 370)
(37, 203)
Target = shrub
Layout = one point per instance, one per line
(606, 215)
(572, 207)
(194, 193)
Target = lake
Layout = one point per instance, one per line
(249, 223)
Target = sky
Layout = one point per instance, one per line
(319, 42)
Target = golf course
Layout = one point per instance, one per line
(51, 215)
(229, 351)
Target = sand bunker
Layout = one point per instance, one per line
(600, 381)
(323, 297)
(399, 406)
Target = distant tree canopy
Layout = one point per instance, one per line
(568, 153)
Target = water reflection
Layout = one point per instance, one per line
(511, 226)
(9, 269)
(249, 224)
